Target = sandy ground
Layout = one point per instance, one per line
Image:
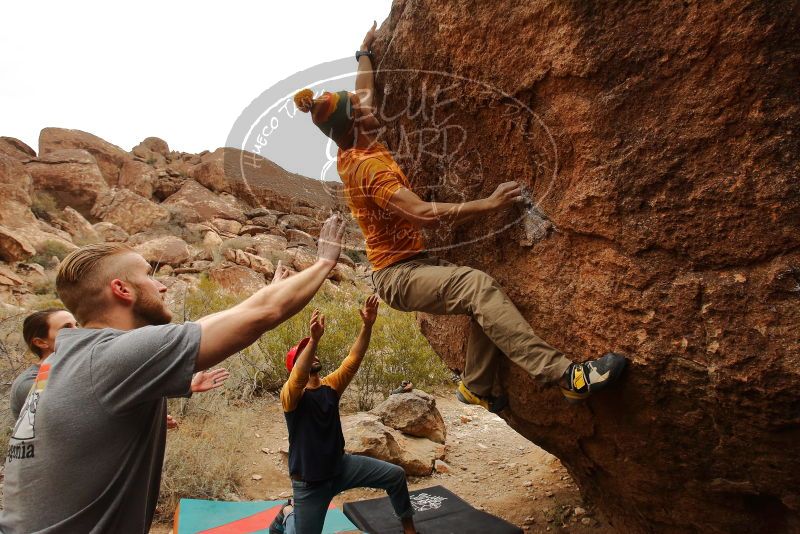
(490, 466)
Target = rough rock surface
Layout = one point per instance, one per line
(166, 250)
(129, 211)
(71, 176)
(16, 149)
(366, 435)
(13, 246)
(413, 413)
(237, 278)
(110, 158)
(110, 232)
(659, 142)
(199, 204)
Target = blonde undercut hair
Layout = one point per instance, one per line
(83, 275)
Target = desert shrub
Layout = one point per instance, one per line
(202, 459)
(397, 350)
(14, 358)
(43, 204)
(44, 256)
(357, 255)
(46, 285)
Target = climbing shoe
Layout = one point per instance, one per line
(491, 403)
(582, 379)
(278, 525)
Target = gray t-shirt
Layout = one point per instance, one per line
(21, 387)
(87, 450)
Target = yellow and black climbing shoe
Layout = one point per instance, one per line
(491, 403)
(582, 379)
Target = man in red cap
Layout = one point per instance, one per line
(318, 465)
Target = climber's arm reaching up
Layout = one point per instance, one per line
(365, 77)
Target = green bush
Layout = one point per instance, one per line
(43, 205)
(44, 256)
(397, 350)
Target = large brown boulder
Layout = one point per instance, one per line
(138, 177)
(658, 141)
(110, 232)
(70, 176)
(14, 148)
(131, 212)
(78, 227)
(198, 204)
(237, 279)
(251, 261)
(16, 187)
(110, 158)
(413, 413)
(367, 436)
(166, 250)
(13, 246)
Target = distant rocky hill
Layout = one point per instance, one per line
(229, 214)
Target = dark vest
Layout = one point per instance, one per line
(316, 442)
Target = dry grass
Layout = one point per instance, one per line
(203, 457)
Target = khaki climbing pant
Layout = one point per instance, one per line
(429, 284)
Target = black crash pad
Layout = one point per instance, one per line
(437, 511)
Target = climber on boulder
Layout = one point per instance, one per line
(407, 278)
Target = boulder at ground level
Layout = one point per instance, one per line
(413, 413)
(366, 435)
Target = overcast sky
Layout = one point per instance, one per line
(182, 71)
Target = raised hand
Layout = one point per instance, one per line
(281, 272)
(317, 325)
(506, 194)
(208, 380)
(370, 37)
(329, 245)
(370, 310)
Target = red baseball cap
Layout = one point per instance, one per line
(294, 351)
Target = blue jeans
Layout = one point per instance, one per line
(311, 500)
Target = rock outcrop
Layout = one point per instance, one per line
(366, 435)
(658, 143)
(71, 176)
(110, 158)
(413, 413)
(148, 200)
(131, 212)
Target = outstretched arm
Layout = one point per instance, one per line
(292, 390)
(341, 377)
(227, 332)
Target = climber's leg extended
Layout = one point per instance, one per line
(480, 371)
(432, 285)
